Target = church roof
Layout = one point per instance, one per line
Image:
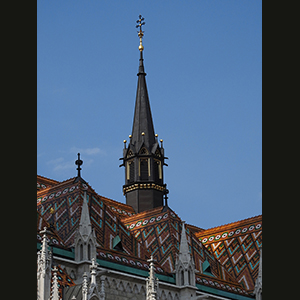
(159, 230)
(236, 246)
(154, 232)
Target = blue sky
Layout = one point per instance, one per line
(203, 61)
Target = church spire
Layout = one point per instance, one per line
(143, 159)
(142, 129)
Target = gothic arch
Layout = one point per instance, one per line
(143, 291)
(107, 283)
(163, 295)
(121, 287)
(170, 297)
(143, 151)
(135, 289)
(128, 288)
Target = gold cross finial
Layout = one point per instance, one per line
(140, 33)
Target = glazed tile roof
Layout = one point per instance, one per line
(154, 232)
(236, 246)
(52, 235)
(43, 182)
(66, 200)
(160, 230)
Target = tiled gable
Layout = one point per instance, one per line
(160, 230)
(236, 247)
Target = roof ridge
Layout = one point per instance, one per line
(115, 201)
(231, 224)
(43, 177)
(142, 213)
(60, 183)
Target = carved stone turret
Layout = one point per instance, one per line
(44, 269)
(85, 241)
(185, 269)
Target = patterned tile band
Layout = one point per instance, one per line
(149, 220)
(120, 259)
(227, 234)
(58, 193)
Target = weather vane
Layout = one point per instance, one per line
(140, 32)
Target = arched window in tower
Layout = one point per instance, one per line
(144, 168)
(157, 169)
(182, 277)
(130, 171)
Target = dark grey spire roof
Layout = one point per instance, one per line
(142, 121)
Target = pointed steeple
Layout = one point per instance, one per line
(185, 266)
(144, 158)
(142, 129)
(85, 227)
(85, 241)
(184, 253)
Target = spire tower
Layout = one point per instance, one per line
(143, 158)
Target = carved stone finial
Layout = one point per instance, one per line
(55, 291)
(84, 287)
(151, 282)
(93, 269)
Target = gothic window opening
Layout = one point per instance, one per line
(157, 169)
(144, 168)
(81, 252)
(89, 251)
(130, 171)
(182, 277)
